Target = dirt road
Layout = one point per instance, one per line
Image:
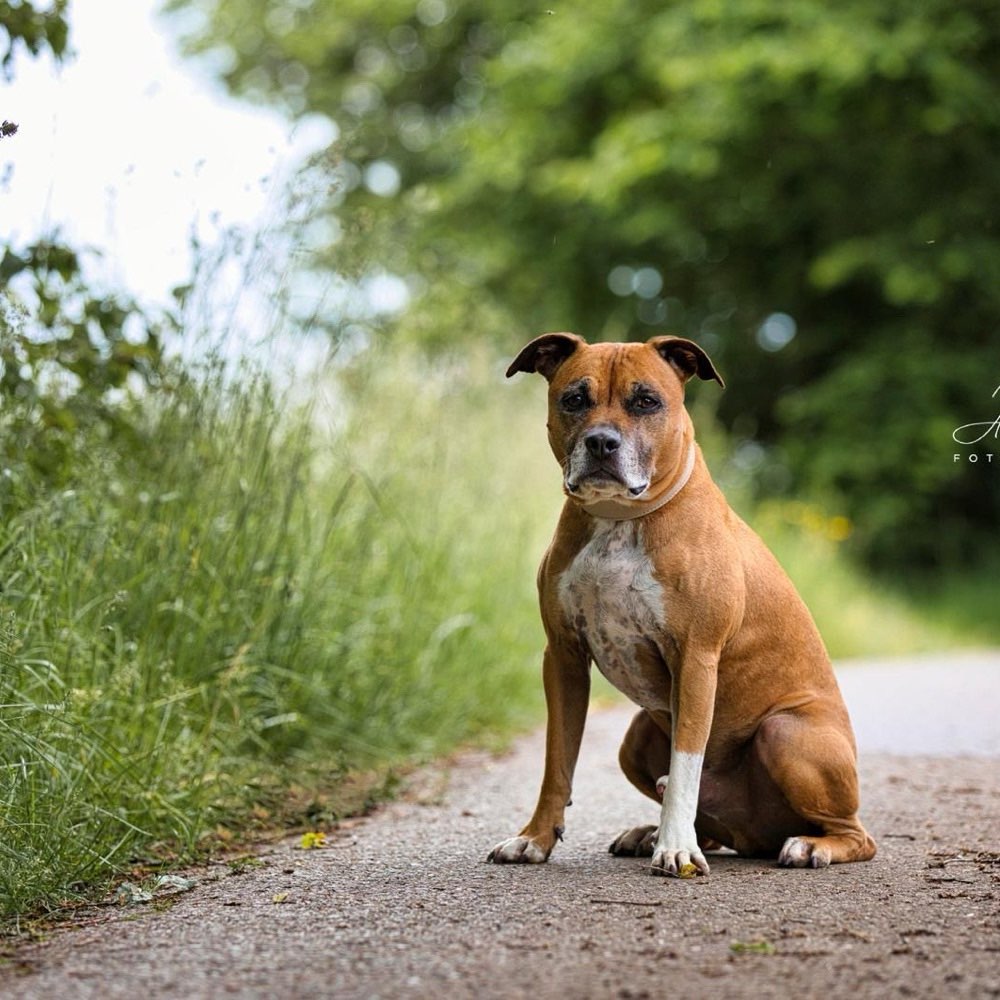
(403, 904)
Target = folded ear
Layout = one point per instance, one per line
(686, 358)
(545, 354)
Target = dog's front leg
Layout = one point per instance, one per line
(566, 673)
(692, 704)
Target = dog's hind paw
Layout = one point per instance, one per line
(635, 843)
(518, 851)
(804, 852)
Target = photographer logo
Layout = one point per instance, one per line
(980, 433)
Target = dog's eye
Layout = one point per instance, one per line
(646, 402)
(574, 401)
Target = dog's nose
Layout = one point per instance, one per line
(602, 441)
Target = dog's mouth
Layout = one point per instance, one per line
(603, 482)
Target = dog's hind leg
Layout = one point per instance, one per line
(813, 764)
(644, 755)
(644, 758)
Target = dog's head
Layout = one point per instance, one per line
(617, 422)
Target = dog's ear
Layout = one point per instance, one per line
(686, 358)
(545, 354)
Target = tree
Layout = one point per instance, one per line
(810, 191)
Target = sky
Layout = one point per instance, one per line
(130, 149)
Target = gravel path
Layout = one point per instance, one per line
(402, 905)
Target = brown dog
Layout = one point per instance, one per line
(652, 576)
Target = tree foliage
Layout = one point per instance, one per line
(32, 27)
(809, 190)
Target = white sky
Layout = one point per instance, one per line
(127, 148)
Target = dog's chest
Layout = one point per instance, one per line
(611, 597)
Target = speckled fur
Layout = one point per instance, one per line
(612, 597)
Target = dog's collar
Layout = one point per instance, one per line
(628, 510)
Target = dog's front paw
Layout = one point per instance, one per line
(519, 851)
(677, 861)
(635, 843)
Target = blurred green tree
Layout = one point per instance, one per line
(810, 190)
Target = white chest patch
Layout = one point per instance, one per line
(611, 597)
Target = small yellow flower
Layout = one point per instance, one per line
(311, 840)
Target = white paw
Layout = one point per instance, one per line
(670, 860)
(517, 850)
(800, 852)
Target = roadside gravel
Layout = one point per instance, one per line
(403, 905)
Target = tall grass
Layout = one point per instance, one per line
(271, 591)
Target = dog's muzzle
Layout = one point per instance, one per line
(604, 464)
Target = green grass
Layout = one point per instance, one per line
(270, 594)
(255, 601)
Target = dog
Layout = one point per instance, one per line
(742, 733)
